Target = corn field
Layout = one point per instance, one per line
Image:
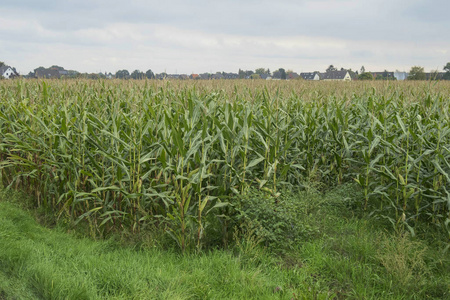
(129, 154)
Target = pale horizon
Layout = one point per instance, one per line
(187, 37)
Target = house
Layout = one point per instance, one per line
(383, 75)
(231, 75)
(401, 75)
(7, 72)
(292, 75)
(217, 76)
(343, 75)
(194, 76)
(310, 76)
(173, 76)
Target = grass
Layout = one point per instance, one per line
(350, 257)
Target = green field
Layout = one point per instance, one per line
(192, 167)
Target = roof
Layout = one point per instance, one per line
(334, 74)
(308, 76)
(3, 69)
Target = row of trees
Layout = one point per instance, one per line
(418, 73)
(415, 73)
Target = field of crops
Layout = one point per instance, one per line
(132, 154)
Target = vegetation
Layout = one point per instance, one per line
(182, 158)
(365, 76)
(344, 258)
(417, 73)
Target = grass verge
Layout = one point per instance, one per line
(349, 257)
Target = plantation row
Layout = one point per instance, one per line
(177, 155)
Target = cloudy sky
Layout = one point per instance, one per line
(224, 35)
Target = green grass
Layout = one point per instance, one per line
(348, 257)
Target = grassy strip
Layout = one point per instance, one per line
(348, 259)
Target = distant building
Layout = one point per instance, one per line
(292, 75)
(401, 75)
(7, 72)
(336, 76)
(310, 76)
(384, 75)
(230, 75)
(217, 76)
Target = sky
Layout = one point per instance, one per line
(224, 35)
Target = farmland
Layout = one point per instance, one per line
(206, 162)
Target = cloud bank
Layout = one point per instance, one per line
(205, 36)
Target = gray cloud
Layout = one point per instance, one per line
(191, 35)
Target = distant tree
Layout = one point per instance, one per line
(241, 74)
(268, 71)
(365, 76)
(331, 68)
(122, 74)
(55, 67)
(276, 74)
(417, 73)
(379, 77)
(434, 75)
(39, 69)
(282, 73)
(137, 74)
(362, 70)
(149, 74)
(2, 64)
(447, 71)
(163, 75)
(248, 73)
(255, 76)
(93, 76)
(260, 71)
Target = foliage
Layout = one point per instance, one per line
(137, 75)
(365, 76)
(120, 154)
(350, 258)
(417, 73)
(331, 68)
(282, 73)
(149, 74)
(447, 71)
(122, 74)
(278, 221)
(260, 71)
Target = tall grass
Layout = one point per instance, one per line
(173, 154)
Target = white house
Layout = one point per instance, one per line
(310, 76)
(337, 75)
(400, 75)
(7, 72)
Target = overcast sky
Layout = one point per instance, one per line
(224, 35)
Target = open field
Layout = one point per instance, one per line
(311, 189)
(179, 155)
